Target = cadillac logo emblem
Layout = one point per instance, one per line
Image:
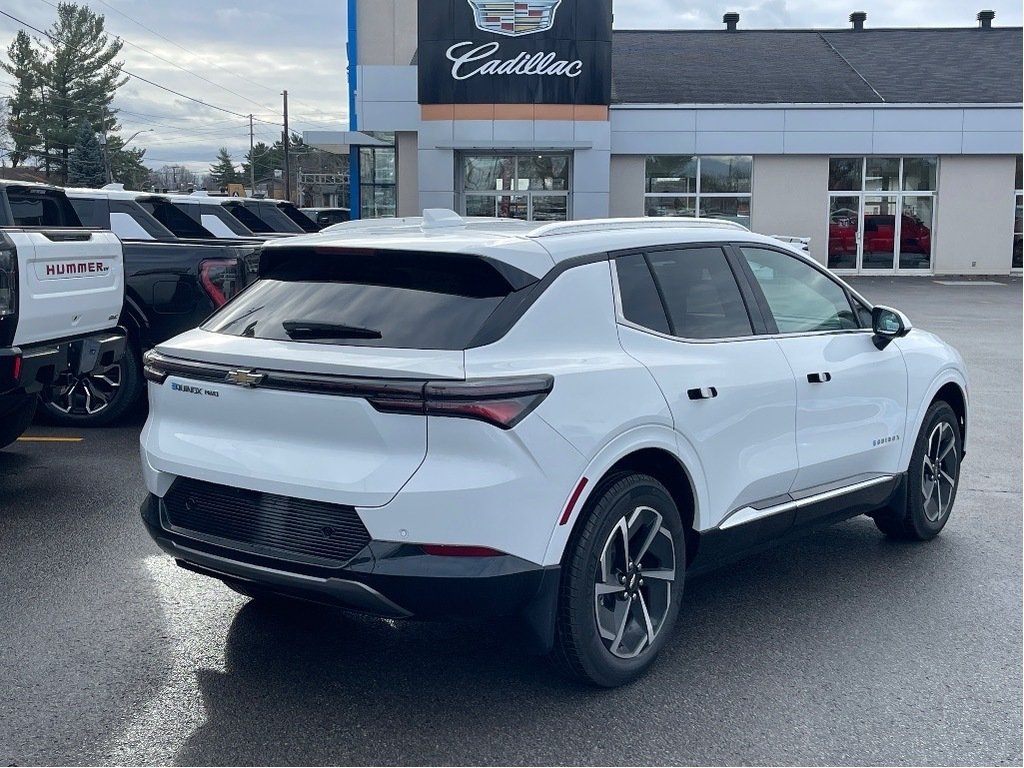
(244, 378)
(505, 17)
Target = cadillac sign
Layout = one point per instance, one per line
(506, 52)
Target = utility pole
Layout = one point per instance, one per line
(252, 162)
(287, 176)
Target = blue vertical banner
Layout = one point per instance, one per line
(353, 120)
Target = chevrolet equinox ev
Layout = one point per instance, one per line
(448, 417)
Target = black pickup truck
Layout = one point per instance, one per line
(171, 285)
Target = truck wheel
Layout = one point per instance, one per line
(622, 582)
(14, 423)
(98, 398)
(932, 480)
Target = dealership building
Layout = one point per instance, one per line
(893, 150)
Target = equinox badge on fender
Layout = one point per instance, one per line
(244, 378)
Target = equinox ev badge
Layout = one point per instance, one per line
(244, 378)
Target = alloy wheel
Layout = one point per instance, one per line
(938, 471)
(87, 394)
(634, 580)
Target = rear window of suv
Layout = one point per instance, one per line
(372, 298)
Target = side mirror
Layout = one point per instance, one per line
(888, 324)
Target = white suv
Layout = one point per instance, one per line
(446, 417)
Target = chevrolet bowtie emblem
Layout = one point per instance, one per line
(244, 378)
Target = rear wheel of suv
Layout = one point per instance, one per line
(98, 398)
(622, 582)
(932, 480)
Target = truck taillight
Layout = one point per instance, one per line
(8, 281)
(221, 278)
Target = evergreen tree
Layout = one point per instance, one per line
(126, 164)
(223, 171)
(80, 76)
(22, 121)
(85, 165)
(261, 158)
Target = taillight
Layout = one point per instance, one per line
(503, 402)
(221, 279)
(8, 280)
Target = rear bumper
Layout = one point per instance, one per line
(384, 578)
(41, 364)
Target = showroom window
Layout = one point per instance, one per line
(1018, 217)
(377, 195)
(881, 212)
(709, 186)
(527, 186)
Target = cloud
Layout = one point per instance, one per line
(248, 53)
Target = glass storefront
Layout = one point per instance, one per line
(716, 187)
(527, 186)
(377, 196)
(881, 213)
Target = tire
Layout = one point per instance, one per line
(930, 494)
(96, 399)
(14, 423)
(614, 616)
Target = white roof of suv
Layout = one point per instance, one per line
(532, 246)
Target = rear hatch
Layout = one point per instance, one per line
(310, 383)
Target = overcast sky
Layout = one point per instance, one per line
(241, 55)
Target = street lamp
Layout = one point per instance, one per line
(106, 159)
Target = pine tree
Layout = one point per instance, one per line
(223, 171)
(85, 165)
(80, 78)
(23, 106)
(126, 164)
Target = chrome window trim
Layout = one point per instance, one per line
(620, 319)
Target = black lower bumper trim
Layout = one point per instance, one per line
(385, 578)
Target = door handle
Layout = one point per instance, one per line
(702, 393)
(819, 378)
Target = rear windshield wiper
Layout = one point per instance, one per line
(303, 329)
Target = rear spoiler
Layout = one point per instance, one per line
(800, 243)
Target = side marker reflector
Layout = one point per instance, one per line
(572, 501)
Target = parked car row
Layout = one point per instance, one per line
(180, 258)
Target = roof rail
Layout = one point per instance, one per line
(660, 222)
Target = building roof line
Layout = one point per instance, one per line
(853, 68)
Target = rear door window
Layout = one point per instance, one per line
(248, 218)
(181, 224)
(638, 294)
(701, 293)
(374, 298)
(32, 207)
(303, 221)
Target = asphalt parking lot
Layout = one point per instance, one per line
(840, 648)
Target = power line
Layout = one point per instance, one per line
(329, 121)
(122, 70)
(183, 69)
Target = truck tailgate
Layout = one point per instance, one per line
(70, 282)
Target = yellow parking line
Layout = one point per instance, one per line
(51, 439)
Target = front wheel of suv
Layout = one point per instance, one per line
(622, 582)
(932, 480)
